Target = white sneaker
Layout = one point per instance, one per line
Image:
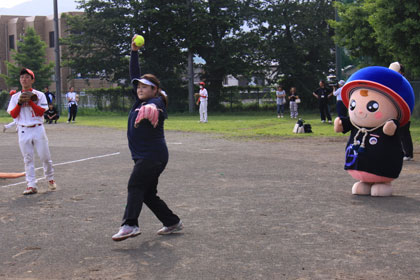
(52, 185)
(30, 190)
(407, 158)
(125, 232)
(168, 230)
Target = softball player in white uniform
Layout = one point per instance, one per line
(28, 112)
(203, 103)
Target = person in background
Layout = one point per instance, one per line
(72, 104)
(51, 114)
(292, 102)
(322, 94)
(203, 99)
(405, 135)
(340, 107)
(50, 96)
(281, 101)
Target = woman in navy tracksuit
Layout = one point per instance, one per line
(148, 148)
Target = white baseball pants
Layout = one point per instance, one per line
(30, 138)
(203, 111)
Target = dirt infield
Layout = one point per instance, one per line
(277, 209)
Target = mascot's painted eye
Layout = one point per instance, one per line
(352, 105)
(372, 106)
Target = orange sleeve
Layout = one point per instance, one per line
(39, 111)
(15, 112)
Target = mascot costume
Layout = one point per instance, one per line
(379, 101)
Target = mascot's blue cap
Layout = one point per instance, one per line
(385, 81)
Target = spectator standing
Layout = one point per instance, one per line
(340, 107)
(71, 97)
(49, 95)
(293, 97)
(281, 101)
(322, 94)
(405, 134)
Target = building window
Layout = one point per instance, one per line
(52, 39)
(11, 42)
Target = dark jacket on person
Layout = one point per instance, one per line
(145, 141)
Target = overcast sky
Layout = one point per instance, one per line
(35, 7)
(10, 4)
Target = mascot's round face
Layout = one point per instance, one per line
(369, 108)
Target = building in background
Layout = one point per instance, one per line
(12, 28)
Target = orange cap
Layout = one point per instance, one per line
(27, 71)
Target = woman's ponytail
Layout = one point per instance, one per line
(152, 78)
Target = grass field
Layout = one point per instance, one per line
(251, 124)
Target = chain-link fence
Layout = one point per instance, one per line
(232, 98)
(104, 99)
(247, 98)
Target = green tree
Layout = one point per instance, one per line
(297, 42)
(355, 33)
(98, 44)
(30, 54)
(380, 31)
(99, 41)
(217, 34)
(397, 28)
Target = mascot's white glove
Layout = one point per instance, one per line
(147, 112)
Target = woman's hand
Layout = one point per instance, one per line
(134, 47)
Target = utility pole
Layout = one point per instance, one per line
(338, 63)
(57, 59)
(190, 66)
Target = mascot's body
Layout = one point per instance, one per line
(379, 100)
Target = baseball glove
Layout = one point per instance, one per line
(147, 112)
(34, 97)
(25, 97)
